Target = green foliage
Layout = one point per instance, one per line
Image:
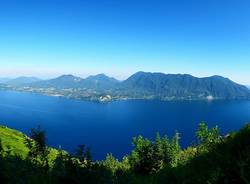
(150, 156)
(207, 138)
(112, 163)
(187, 154)
(38, 151)
(13, 142)
(1, 147)
(225, 162)
(38, 135)
(215, 159)
(142, 157)
(172, 150)
(83, 154)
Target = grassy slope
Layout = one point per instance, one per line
(14, 141)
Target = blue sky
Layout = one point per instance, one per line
(46, 38)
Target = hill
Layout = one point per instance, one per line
(177, 86)
(141, 85)
(99, 82)
(4, 80)
(214, 159)
(22, 81)
(13, 142)
(63, 81)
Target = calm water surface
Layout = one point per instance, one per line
(110, 127)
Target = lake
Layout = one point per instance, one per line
(110, 127)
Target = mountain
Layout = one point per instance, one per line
(99, 82)
(182, 86)
(22, 81)
(95, 82)
(141, 85)
(63, 81)
(4, 80)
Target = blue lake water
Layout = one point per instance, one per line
(110, 127)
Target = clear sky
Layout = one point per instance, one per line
(46, 38)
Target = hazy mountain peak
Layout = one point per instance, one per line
(4, 79)
(23, 80)
(140, 73)
(67, 76)
(219, 77)
(25, 77)
(101, 77)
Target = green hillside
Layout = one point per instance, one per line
(13, 141)
(213, 159)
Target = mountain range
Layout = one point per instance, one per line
(141, 85)
(97, 82)
(4, 80)
(19, 80)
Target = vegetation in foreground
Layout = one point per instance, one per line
(214, 159)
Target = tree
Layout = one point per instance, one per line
(38, 135)
(83, 154)
(142, 157)
(1, 148)
(38, 151)
(151, 156)
(111, 163)
(171, 150)
(158, 151)
(166, 146)
(175, 150)
(207, 138)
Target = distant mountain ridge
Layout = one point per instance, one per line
(4, 80)
(99, 82)
(22, 80)
(141, 85)
(63, 81)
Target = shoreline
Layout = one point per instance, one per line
(96, 100)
